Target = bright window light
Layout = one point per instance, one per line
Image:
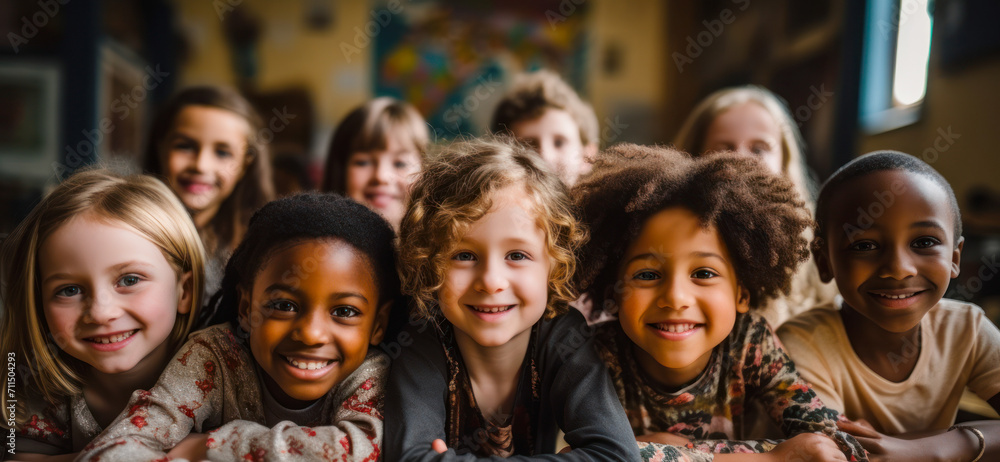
(913, 49)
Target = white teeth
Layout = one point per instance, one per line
(495, 309)
(307, 365)
(896, 297)
(675, 328)
(113, 338)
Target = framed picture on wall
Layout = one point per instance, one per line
(123, 104)
(29, 119)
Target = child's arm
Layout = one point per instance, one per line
(355, 432)
(788, 398)
(188, 396)
(416, 413)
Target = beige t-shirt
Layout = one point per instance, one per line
(960, 347)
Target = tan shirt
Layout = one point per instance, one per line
(960, 347)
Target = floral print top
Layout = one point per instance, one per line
(212, 385)
(750, 365)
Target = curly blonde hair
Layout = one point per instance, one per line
(456, 189)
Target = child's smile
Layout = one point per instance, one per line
(897, 267)
(679, 296)
(496, 282)
(311, 316)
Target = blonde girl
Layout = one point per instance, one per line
(101, 284)
(753, 121)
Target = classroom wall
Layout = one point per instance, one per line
(955, 102)
(338, 85)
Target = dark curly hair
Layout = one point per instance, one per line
(880, 161)
(759, 216)
(298, 218)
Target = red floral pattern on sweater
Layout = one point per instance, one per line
(194, 395)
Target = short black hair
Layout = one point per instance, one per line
(758, 214)
(880, 161)
(301, 217)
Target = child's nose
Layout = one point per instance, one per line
(492, 278)
(675, 295)
(383, 172)
(314, 328)
(897, 263)
(102, 308)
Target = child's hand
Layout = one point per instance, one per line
(807, 447)
(664, 438)
(859, 427)
(439, 446)
(193, 447)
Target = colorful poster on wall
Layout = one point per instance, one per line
(453, 59)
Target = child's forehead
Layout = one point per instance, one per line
(886, 195)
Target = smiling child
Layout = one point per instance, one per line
(500, 363)
(308, 290)
(683, 251)
(892, 354)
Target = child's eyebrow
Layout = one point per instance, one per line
(55, 277)
(928, 224)
(298, 292)
(708, 255)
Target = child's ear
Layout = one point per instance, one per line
(821, 259)
(590, 153)
(743, 302)
(956, 257)
(244, 310)
(185, 287)
(381, 322)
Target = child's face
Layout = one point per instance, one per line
(890, 245)
(749, 130)
(109, 295)
(313, 312)
(205, 156)
(679, 295)
(496, 282)
(557, 138)
(382, 179)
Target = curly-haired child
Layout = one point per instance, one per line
(683, 250)
(500, 363)
(891, 353)
(101, 285)
(292, 376)
(754, 122)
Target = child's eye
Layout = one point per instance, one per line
(223, 154)
(345, 312)
(401, 164)
(925, 242)
(646, 276)
(864, 246)
(281, 305)
(704, 274)
(464, 256)
(129, 280)
(518, 256)
(559, 142)
(68, 291)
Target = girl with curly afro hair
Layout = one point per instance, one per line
(684, 251)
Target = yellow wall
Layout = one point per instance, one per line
(968, 103)
(291, 55)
